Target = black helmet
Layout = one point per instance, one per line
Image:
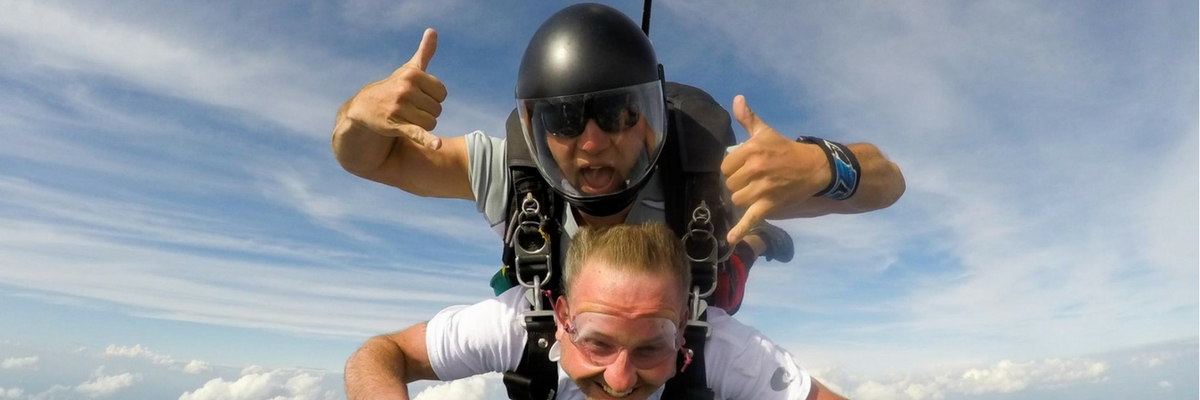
(589, 65)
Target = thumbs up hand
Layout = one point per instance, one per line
(405, 104)
(769, 171)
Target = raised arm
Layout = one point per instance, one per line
(384, 365)
(382, 133)
(772, 176)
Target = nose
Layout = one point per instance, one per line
(593, 139)
(621, 374)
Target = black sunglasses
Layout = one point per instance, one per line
(568, 118)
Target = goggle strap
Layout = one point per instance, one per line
(687, 358)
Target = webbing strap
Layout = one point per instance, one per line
(530, 380)
(536, 377)
(692, 383)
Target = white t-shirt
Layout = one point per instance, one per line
(740, 363)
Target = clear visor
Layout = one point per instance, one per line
(601, 338)
(599, 143)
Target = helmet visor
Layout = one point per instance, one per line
(598, 143)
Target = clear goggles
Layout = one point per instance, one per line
(601, 338)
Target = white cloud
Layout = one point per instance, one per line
(472, 388)
(11, 393)
(138, 351)
(196, 367)
(256, 383)
(1164, 385)
(107, 385)
(1003, 377)
(23, 362)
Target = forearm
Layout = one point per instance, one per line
(381, 368)
(880, 184)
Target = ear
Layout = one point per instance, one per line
(560, 318)
(561, 311)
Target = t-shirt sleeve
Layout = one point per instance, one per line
(742, 364)
(464, 341)
(488, 176)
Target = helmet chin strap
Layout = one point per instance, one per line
(605, 206)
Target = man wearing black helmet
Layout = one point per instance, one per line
(591, 109)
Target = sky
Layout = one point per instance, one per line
(173, 224)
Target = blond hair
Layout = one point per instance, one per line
(647, 249)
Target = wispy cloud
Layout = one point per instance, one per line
(100, 386)
(19, 362)
(1009, 243)
(56, 37)
(164, 284)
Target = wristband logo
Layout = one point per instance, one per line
(847, 178)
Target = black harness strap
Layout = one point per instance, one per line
(529, 381)
(700, 132)
(692, 383)
(531, 257)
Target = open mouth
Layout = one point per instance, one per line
(598, 179)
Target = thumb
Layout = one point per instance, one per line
(425, 51)
(754, 214)
(420, 136)
(746, 117)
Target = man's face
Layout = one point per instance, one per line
(598, 162)
(624, 311)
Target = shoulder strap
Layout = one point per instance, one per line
(536, 377)
(531, 259)
(699, 132)
(692, 383)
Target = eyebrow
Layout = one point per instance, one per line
(644, 343)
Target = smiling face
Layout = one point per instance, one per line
(619, 309)
(598, 162)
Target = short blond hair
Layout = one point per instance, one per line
(649, 249)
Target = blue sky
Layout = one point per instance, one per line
(173, 224)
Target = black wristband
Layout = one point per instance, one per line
(843, 167)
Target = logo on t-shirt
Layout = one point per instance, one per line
(781, 379)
